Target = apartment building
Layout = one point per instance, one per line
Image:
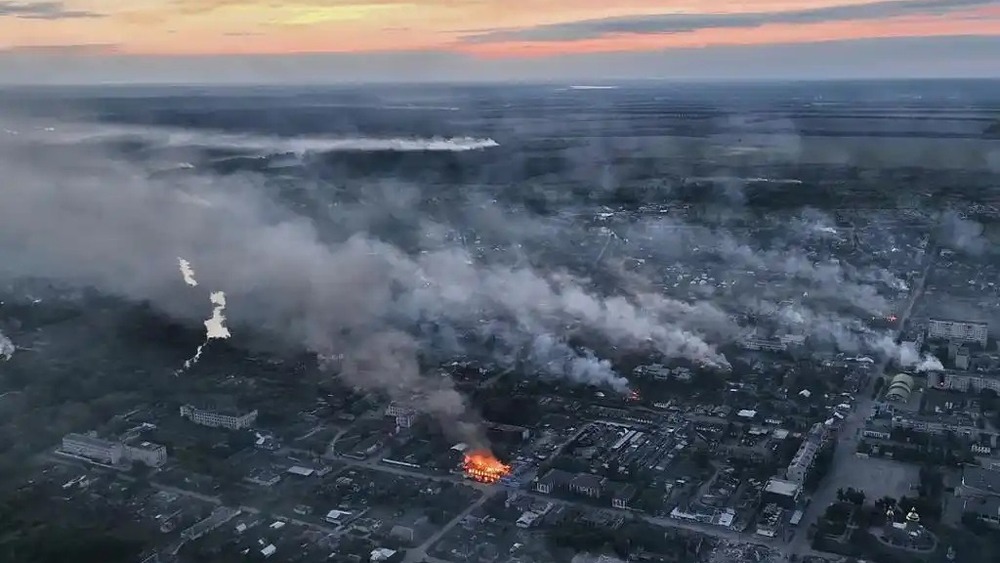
(231, 419)
(806, 454)
(965, 381)
(959, 331)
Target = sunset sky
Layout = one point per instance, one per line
(345, 40)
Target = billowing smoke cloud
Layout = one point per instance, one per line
(558, 359)
(907, 355)
(7, 347)
(78, 214)
(961, 234)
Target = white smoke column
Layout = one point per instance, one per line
(929, 363)
(215, 326)
(7, 347)
(187, 272)
(907, 355)
(558, 359)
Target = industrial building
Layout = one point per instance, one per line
(960, 331)
(900, 388)
(114, 452)
(230, 419)
(90, 447)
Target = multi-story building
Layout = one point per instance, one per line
(104, 451)
(806, 454)
(153, 455)
(405, 416)
(753, 340)
(230, 419)
(966, 381)
(961, 331)
(956, 424)
(114, 452)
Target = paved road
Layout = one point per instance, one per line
(419, 553)
(850, 433)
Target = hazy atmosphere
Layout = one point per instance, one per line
(484, 281)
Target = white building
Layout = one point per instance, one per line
(968, 381)
(961, 331)
(104, 451)
(804, 457)
(153, 455)
(112, 452)
(232, 420)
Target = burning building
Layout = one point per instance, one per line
(482, 466)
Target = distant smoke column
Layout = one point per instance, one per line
(187, 272)
(215, 326)
(6, 347)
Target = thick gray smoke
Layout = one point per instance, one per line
(7, 347)
(961, 234)
(84, 216)
(907, 355)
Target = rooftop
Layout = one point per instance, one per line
(91, 441)
(587, 481)
(782, 487)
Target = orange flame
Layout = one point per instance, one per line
(482, 466)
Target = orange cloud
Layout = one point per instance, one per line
(978, 22)
(193, 27)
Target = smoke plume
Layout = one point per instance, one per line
(7, 347)
(961, 234)
(170, 137)
(86, 216)
(907, 355)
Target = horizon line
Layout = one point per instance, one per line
(507, 81)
